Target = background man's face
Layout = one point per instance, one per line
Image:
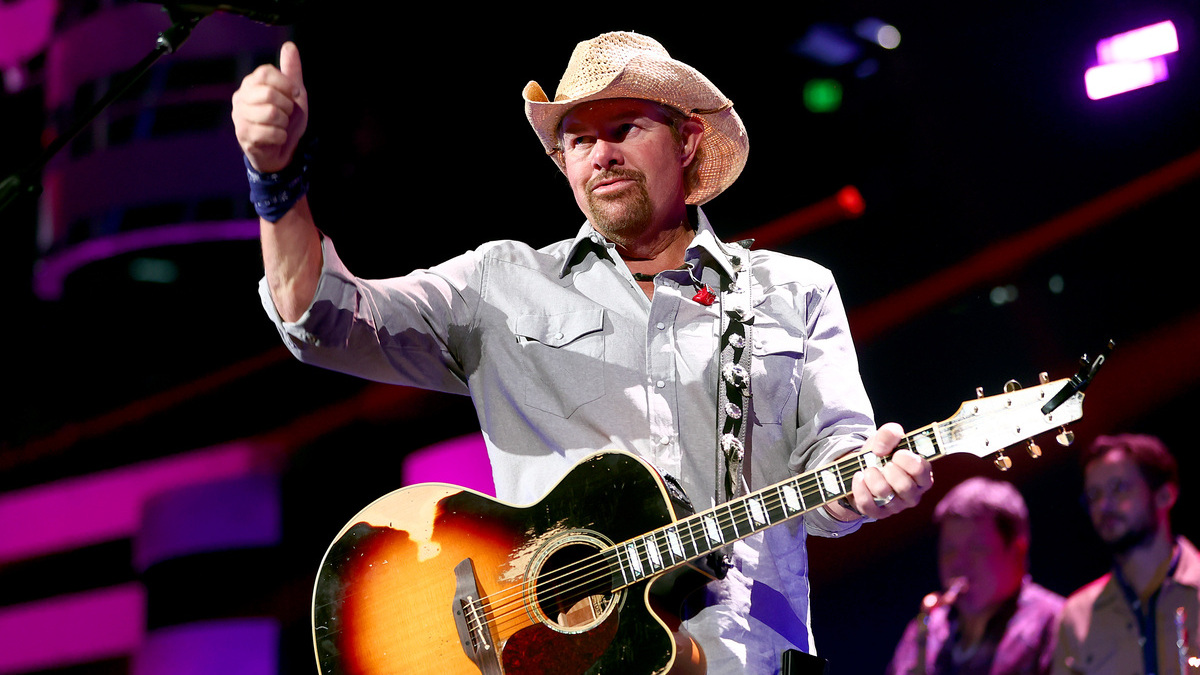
(1119, 501)
(973, 548)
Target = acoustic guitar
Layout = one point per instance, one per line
(439, 579)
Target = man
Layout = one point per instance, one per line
(992, 619)
(1142, 616)
(612, 339)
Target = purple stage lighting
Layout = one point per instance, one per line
(1131, 60)
(1111, 79)
(1139, 44)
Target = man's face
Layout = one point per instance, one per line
(625, 166)
(974, 549)
(1119, 501)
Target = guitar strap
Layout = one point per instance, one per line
(733, 385)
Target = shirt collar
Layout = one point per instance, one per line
(705, 241)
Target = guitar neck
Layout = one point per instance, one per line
(980, 427)
(696, 536)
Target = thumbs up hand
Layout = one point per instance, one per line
(270, 112)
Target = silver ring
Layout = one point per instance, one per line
(884, 501)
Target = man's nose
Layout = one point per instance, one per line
(607, 154)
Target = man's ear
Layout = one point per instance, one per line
(1166, 496)
(691, 132)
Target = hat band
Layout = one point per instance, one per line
(711, 111)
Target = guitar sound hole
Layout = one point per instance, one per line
(574, 589)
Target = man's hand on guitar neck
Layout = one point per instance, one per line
(880, 492)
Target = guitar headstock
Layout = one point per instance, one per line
(989, 424)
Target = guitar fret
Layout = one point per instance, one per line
(712, 530)
(653, 553)
(729, 531)
(792, 497)
(674, 545)
(776, 511)
(820, 489)
(758, 515)
(733, 520)
(691, 533)
(814, 494)
(635, 561)
(926, 444)
(615, 561)
(840, 472)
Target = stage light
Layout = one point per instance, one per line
(1131, 60)
(880, 32)
(822, 95)
(1111, 79)
(1001, 295)
(1139, 44)
(153, 270)
(828, 44)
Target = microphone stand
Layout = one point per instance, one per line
(26, 182)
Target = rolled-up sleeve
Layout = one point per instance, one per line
(405, 330)
(834, 412)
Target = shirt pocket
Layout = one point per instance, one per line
(563, 356)
(774, 372)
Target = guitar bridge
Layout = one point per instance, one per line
(470, 618)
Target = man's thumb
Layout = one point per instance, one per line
(289, 64)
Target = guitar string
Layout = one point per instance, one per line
(723, 515)
(559, 583)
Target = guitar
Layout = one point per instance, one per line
(435, 578)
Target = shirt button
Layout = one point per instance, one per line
(664, 440)
(660, 325)
(558, 336)
(660, 384)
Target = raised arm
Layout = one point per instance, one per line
(270, 114)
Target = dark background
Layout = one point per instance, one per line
(974, 131)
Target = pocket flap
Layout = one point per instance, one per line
(556, 330)
(777, 342)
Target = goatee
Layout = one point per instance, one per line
(1130, 539)
(621, 216)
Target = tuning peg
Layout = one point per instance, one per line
(1011, 386)
(1043, 378)
(1065, 436)
(978, 392)
(1033, 449)
(1003, 462)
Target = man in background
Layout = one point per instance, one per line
(991, 619)
(1142, 616)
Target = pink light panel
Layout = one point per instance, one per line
(1159, 39)
(1131, 60)
(86, 510)
(1111, 79)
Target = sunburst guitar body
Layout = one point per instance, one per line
(440, 579)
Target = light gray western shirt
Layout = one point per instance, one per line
(564, 355)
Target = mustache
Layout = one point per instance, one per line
(615, 173)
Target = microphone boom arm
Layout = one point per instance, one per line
(25, 182)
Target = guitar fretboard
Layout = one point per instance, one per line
(696, 536)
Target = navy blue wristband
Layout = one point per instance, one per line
(274, 194)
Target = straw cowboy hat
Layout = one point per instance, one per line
(629, 65)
